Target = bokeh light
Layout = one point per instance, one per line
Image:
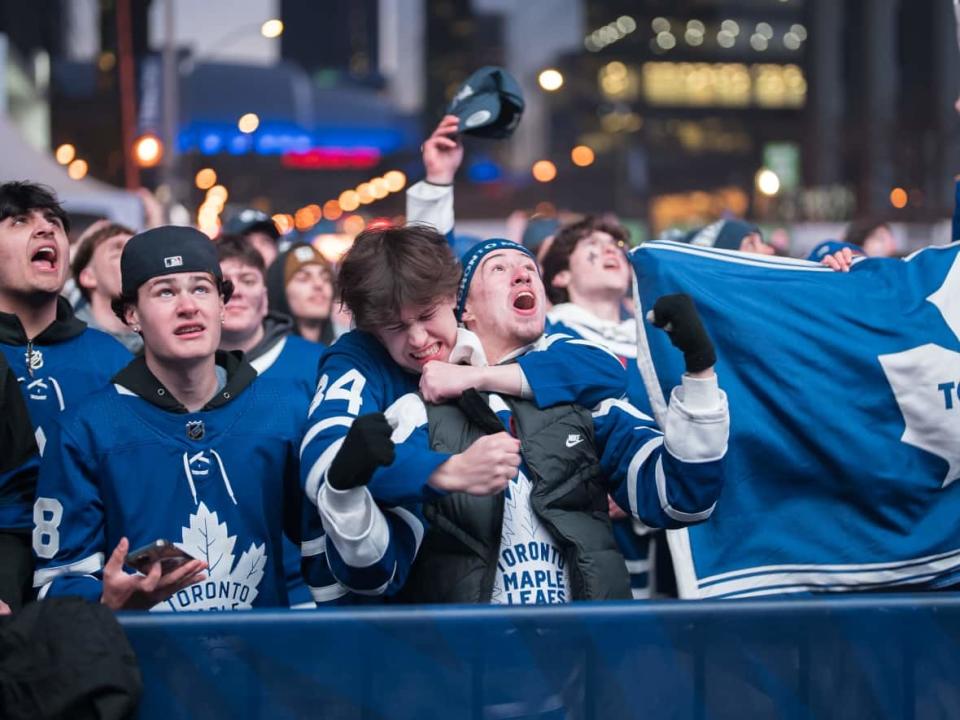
(77, 169)
(248, 123)
(899, 198)
(65, 154)
(551, 79)
(582, 156)
(206, 178)
(544, 171)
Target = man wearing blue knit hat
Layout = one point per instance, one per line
(546, 538)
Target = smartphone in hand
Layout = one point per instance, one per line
(163, 551)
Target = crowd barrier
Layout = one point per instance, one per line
(865, 656)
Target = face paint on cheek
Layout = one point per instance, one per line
(592, 257)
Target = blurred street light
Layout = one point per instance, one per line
(77, 169)
(349, 200)
(65, 153)
(218, 194)
(582, 156)
(899, 198)
(353, 224)
(544, 171)
(396, 180)
(550, 79)
(248, 123)
(147, 150)
(332, 210)
(284, 222)
(379, 188)
(206, 178)
(365, 193)
(768, 183)
(272, 28)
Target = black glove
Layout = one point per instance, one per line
(678, 316)
(366, 447)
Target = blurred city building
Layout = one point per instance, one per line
(666, 111)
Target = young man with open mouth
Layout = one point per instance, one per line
(546, 538)
(55, 357)
(401, 285)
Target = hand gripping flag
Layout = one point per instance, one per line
(844, 393)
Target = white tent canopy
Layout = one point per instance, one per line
(20, 161)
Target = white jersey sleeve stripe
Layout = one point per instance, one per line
(90, 564)
(327, 593)
(413, 521)
(609, 404)
(319, 469)
(317, 428)
(670, 511)
(312, 548)
(636, 464)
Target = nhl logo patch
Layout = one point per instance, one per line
(195, 430)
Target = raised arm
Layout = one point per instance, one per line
(430, 201)
(672, 476)
(560, 370)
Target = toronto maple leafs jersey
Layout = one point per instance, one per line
(222, 483)
(619, 338)
(666, 478)
(284, 355)
(635, 541)
(289, 358)
(59, 367)
(358, 377)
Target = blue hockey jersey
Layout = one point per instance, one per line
(222, 483)
(56, 369)
(665, 481)
(637, 543)
(289, 358)
(357, 377)
(283, 355)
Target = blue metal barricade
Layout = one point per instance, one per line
(865, 656)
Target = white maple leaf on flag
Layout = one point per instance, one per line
(916, 376)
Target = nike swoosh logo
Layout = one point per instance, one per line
(574, 441)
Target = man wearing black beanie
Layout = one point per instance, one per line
(183, 451)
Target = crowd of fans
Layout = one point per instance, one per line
(203, 412)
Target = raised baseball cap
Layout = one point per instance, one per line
(489, 103)
(166, 250)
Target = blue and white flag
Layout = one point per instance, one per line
(844, 393)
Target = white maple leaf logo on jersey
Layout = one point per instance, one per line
(917, 378)
(227, 586)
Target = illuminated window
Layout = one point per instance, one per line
(713, 84)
